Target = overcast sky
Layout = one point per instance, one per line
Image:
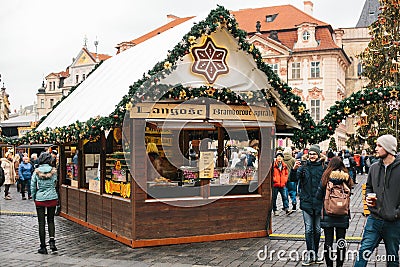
(38, 37)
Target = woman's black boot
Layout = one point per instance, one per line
(52, 244)
(42, 249)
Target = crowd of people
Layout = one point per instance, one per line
(314, 175)
(310, 174)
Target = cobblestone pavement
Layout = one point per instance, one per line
(79, 246)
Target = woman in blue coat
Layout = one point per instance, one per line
(338, 174)
(43, 188)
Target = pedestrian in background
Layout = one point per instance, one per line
(9, 173)
(16, 161)
(34, 160)
(350, 164)
(309, 176)
(291, 186)
(336, 173)
(25, 171)
(43, 187)
(280, 178)
(383, 201)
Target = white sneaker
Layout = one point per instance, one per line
(276, 213)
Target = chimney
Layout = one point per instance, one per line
(339, 37)
(308, 7)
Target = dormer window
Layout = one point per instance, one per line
(306, 36)
(270, 18)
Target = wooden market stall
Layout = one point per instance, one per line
(169, 175)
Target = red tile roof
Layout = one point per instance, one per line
(286, 22)
(322, 35)
(157, 31)
(101, 56)
(287, 17)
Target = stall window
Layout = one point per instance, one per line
(118, 176)
(184, 155)
(72, 168)
(91, 161)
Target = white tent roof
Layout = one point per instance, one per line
(19, 121)
(99, 94)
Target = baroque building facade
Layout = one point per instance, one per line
(59, 84)
(304, 52)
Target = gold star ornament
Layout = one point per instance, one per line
(347, 110)
(393, 93)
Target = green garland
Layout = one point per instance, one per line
(138, 92)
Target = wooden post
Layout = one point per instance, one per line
(220, 150)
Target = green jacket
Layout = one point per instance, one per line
(43, 183)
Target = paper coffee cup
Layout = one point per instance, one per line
(371, 195)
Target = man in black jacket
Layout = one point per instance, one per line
(309, 175)
(384, 221)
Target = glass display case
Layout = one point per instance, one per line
(197, 154)
(117, 167)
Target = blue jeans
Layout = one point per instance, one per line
(26, 186)
(292, 190)
(375, 230)
(284, 195)
(312, 231)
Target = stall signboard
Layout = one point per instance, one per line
(241, 113)
(119, 188)
(168, 111)
(22, 131)
(213, 111)
(206, 165)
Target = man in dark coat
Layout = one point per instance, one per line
(384, 220)
(309, 175)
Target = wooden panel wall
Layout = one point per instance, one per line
(73, 202)
(63, 199)
(82, 204)
(95, 210)
(107, 212)
(232, 215)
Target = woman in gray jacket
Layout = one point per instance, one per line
(43, 188)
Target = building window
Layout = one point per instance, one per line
(359, 69)
(51, 103)
(306, 35)
(315, 71)
(296, 70)
(76, 78)
(315, 109)
(83, 77)
(274, 67)
(41, 103)
(52, 86)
